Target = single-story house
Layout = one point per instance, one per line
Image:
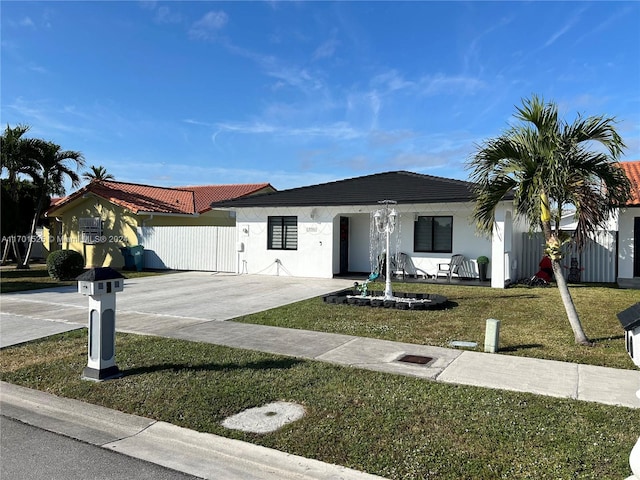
(326, 230)
(104, 216)
(629, 231)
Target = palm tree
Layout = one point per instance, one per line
(98, 173)
(53, 170)
(15, 155)
(16, 160)
(549, 164)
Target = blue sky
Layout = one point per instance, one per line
(298, 93)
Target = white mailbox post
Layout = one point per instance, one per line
(101, 285)
(630, 321)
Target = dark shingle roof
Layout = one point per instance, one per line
(403, 187)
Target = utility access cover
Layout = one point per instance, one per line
(265, 419)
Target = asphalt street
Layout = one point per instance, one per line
(30, 453)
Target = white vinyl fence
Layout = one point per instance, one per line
(596, 262)
(204, 248)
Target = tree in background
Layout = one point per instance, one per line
(16, 162)
(548, 164)
(15, 153)
(53, 169)
(98, 173)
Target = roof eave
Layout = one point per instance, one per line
(166, 214)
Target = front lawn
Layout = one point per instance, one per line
(533, 320)
(37, 277)
(394, 426)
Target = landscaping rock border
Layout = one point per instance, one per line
(401, 301)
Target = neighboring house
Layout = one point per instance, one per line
(104, 216)
(629, 231)
(324, 230)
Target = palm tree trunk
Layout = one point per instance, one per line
(32, 233)
(563, 288)
(570, 308)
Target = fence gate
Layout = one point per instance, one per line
(204, 248)
(596, 262)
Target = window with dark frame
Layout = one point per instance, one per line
(282, 233)
(433, 234)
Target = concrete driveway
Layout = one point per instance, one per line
(163, 303)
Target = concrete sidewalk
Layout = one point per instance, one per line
(33, 315)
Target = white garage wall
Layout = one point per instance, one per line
(202, 248)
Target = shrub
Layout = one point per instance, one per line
(482, 259)
(65, 264)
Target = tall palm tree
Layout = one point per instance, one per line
(53, 170)
(98, 173)
(551, 165)
(15, 154)
(16, 160)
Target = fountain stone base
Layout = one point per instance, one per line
(400, 300)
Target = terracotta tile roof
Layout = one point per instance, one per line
(205, 195)
(146, 198)
(632, 169)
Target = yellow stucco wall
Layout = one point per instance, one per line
(118, 230)
(210, 218)
(119, 227)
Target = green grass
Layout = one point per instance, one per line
(395, 426)
(533, 320)
(37, 277)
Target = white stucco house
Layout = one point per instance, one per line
(629, 231)
(324, 230)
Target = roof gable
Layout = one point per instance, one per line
(205, 195)
(135, 197)
(632, 169)
(401, 186)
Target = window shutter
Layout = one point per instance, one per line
(90, 230)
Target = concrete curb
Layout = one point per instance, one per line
(200, 454)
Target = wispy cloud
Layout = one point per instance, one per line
(564, 28)
(27, 22)
(165, 15)
(383, 138)
(44, 116)
(335, 131)
(391, 81)
(286, 74)
(209, 25)
(326, 49)
(609, 21)
(447, 84)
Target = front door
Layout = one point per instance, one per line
(636, 247)
(344, 245)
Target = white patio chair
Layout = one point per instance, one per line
(451, 268)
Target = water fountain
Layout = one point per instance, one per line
(384, 221)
